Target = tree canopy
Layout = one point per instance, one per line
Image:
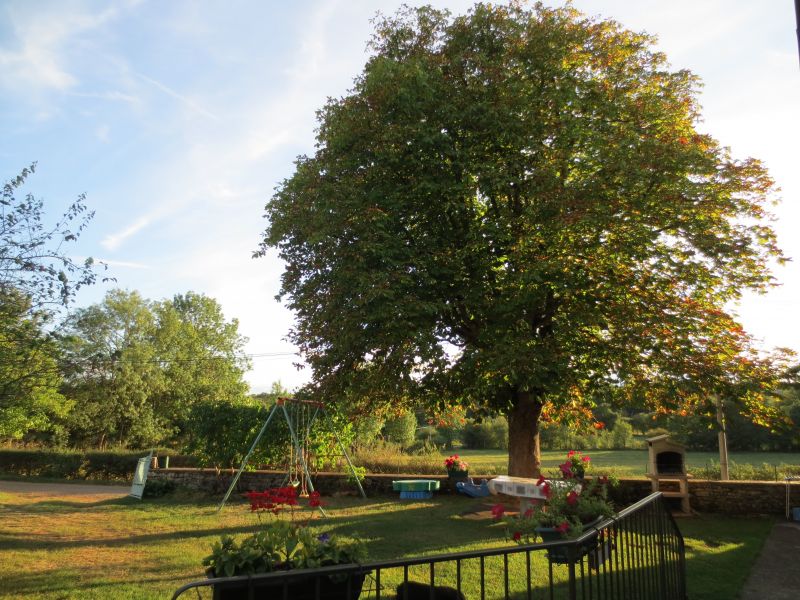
(37, 276)
(135, 368)
(515, 210)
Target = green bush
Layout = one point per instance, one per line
(42, 463)
(488, 434)
(156, 488)
(401, 429)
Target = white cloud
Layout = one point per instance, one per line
(37, 62)
(114, 240)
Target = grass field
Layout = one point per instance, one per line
(69, 546)
(633, 463)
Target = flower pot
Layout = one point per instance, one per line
(460, 475)
(299, 588)
(560, 556)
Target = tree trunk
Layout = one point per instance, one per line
(524, 458)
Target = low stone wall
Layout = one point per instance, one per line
(723, 497)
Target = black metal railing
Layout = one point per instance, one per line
(637, 555)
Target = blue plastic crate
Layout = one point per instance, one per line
(416, 495)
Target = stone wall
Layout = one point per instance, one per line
(723, 497)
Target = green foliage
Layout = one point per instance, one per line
(280, 546)
(134, 368)
(71, 464)
(34, 257)
(29, 377)
(158, 488)
(526, 186)
(559, 436)
(488, 433)
(222, 432)
(513, 210)
(401, 429)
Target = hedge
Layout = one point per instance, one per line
(75, 464)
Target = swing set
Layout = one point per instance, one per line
(300, 416)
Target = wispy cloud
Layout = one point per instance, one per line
(33, 58)
(114, 240)
(123, 264)
(185, 100)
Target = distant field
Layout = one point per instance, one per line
(633, 463)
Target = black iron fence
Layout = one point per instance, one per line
(637, 555)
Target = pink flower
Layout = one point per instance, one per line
(563, 528)
(566, 469)
(497, 511)
(572, 498)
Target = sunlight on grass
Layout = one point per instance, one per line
(71, 547)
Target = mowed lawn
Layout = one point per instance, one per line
(624, 463)
(61, 545)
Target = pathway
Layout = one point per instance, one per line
(775, 574)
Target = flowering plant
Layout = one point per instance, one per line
(570, 504)
(575, 465)
(454, 463)
(280, 544)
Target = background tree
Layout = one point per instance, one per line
(135, 368)
(29, 376)
(514, 210)
(36, 276)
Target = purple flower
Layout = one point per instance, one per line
(324, 538)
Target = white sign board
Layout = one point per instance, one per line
(140, 476)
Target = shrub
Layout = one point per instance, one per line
(488, 434)
(156, 488)
(401, 429)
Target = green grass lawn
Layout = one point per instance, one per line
(624, 463)
(84, 547)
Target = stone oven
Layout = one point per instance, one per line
(666, 457)
(667, 464)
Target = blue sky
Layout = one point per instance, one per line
(179, 118)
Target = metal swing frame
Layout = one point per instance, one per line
(280, 403)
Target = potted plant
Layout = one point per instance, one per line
(456, 468)
(573, 505)
(282, 545)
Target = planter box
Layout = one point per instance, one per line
(299, 588)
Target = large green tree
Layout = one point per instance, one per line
(515, 210)
(135, 368)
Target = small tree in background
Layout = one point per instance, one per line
(514, 210)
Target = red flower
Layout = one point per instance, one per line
(528, 513)
(541, 480)
(546, 490)
(585, 459)
(572, 498)
(497, 511)
(563, 528)
(566, 469)
(517, 535)
(571, 453)
(599, 425)
(314, 499)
